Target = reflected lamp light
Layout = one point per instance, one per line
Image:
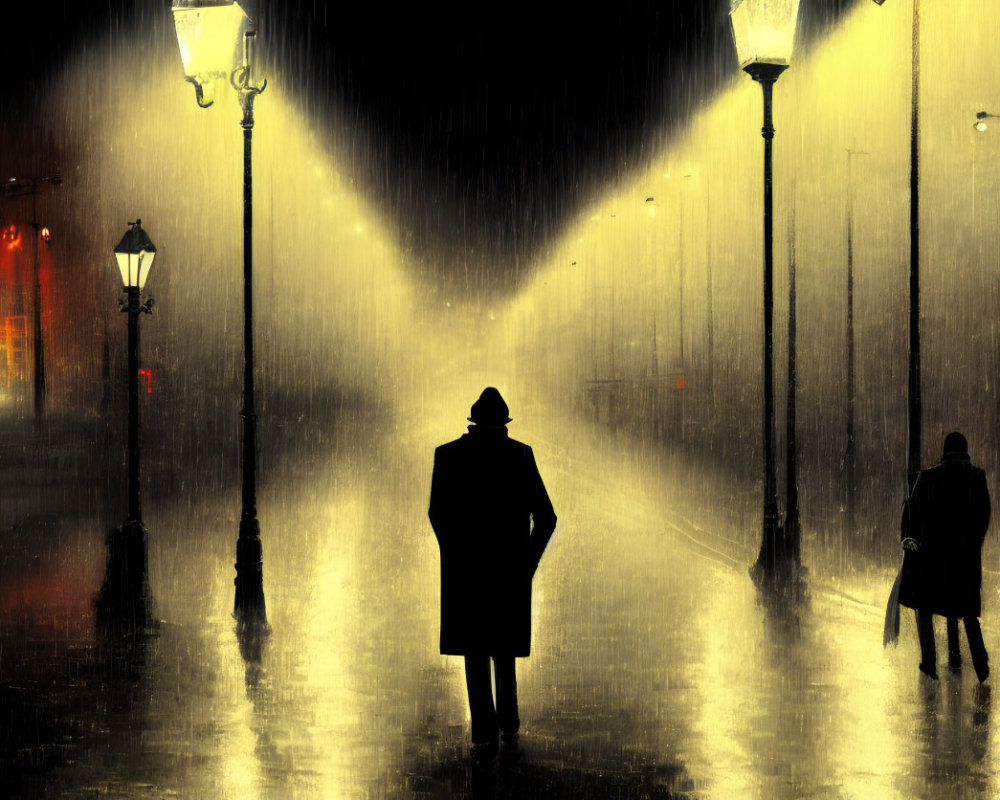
(210, 36)
(764, 31)
(134, 254)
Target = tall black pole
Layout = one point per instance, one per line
(792, 537)
(18, 187)
(249, 607)
(132, 309)
(132, 547)
(680, 317)
(850, 455)
(124, 603)
(915, 408)
(37, 310)
(710, 378)
(771, 552)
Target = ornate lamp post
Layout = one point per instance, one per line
(216, 41)
(125, 594)
(764, 34)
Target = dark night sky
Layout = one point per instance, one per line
(478, 127)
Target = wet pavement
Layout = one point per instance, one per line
(656, 671)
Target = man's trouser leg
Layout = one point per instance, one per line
(954, 651)
(980, 660)
(507, 713)
(928, 651)
(484, 715)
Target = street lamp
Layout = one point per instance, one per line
(216, 41)
(764, 34)
(125, 594)
(981, 117)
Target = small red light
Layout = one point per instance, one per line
(11, 236)
(148, 375)
(681, 382)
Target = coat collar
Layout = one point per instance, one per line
(481, 431)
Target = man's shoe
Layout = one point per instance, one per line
(510, 748)
(485, 750)
(929, 672)
(983, 671)
(955, 661)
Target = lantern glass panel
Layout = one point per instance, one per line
(210, 37)
(134, 254)
(134, 268)
(764, 30)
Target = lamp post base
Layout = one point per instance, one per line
(249, 607)
(124, 604)
(778, 564)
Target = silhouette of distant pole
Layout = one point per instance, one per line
(710, 377)
(914, 409)
(39, 371)
(18, 186)
(792, 529)
(850, 455)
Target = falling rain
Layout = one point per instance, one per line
(573, 215)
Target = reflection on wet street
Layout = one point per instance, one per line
(656, 669)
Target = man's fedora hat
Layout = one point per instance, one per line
(490, 409)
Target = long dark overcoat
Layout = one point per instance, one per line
(492, 518)
(948, 513)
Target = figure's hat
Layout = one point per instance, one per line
(490, 409)
(955, 444)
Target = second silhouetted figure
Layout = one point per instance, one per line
(943, 526)
(492, 518)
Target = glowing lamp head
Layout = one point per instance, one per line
(46, 235)
(210, 36)
(134, 254)
(981, 126)
(764, 31)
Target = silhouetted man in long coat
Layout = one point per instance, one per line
(944, 524)
(492, 518)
